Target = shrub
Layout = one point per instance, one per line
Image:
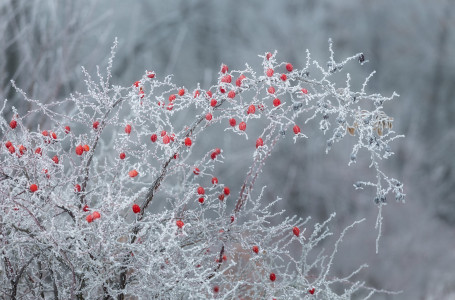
(121, 199)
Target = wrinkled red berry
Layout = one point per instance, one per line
(256, 249)
(213, 103)
(96, 124)
(188, 142)
(128, 129)
(13, 124)
(251, 109)
(208, 117)
(269, 72)
(96, 215)
(259, 142)
(231, 94)
(214, 180)
(224, 68)
(242, 126)
(296, 129)
(272, 276)
(276, 102)
(67, 129)
(296, 231)
(232, 122)
(153, 138)
(271, 90)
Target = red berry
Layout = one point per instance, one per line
(79, 150)
(251, 109)
(95, 124)
(188, 142)
(276, 102)
(96, 215)
(33, 188)
(181, 92)
(232, 219)
(13, 124)
(226, 79)
(268, 55)
(208, 117)
(289, 67)
(153, 138)
(224, 68)
(179, 223)
(238, 82)
(11, 149)
(231, 94)
(45, 133)
(67, 129)
(196, 94)
(232, 122)
(86, 148)
(296, 129)
(305, 91)
(209, 94)
(201, 200)
(269, 72)
(200, 190)
(166, 139)
(85, 208)
(176, 155)
(222, 90)
(217, 151)
(54, 136)
(256, 249)
(272, 276)
(216, 289)
(271, 90)
(22, 149)
(122, 155)
(38, 151)
(259, 142)
(224, 257)
(150, 75)
(221, 197)
(283, 77)
(214, 180)
(55, 159)
(133, 173)
(226, 190)
(172, 98)
(296, 231)
(136, 84)
(77, 188)
(311, 291)
(242, 126)
(128, 129)
(8, 144)
(89, 218)
(213, 155)
(136, 208)
(163, 133)
(196, 171)
(213, 102)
